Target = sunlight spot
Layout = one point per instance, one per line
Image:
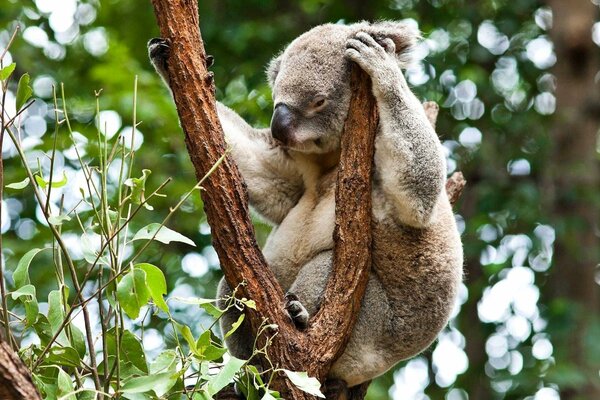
(110, 122)
(194, 264)
(541, 52)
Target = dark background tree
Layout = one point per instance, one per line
(518, 84)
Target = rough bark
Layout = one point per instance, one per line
(15, 378)
(225, 202)
(572, 183)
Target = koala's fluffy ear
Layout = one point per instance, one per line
(273, 69)
(404, 36)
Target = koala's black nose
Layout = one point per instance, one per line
(282, 123)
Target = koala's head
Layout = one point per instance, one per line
(310, 81)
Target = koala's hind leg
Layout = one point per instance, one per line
(241, 342)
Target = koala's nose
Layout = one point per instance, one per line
(282, 123)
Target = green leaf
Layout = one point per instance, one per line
(138, 187)
(23, 90)
(21, 274)
(26, 294)
(58, 219)
(7, 71)
(157, 285)
(163, 234)
(78, 341)
(65, 386)
(131, 350)
(133, 293)
(192, 300)
(165, 362)
(56, 315)
(43, 183)
(214, 311)
(189, 338)
(304, 382)
(225, 376)
(249, 303)
(212, 353)
(18, 185)
(142, 384)
(235, 325)
(43, 329)
(63, 356)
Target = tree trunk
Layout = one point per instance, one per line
(225, 202)
(573, 183)
(15, 378)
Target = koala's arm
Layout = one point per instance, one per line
(273, 181)
(409, 161)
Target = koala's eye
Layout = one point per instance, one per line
(319, 102)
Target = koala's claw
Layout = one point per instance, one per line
(296, 310)
(158, 48)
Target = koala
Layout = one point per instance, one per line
(290, 170)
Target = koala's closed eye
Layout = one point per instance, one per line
(318, 103)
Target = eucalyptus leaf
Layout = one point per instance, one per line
(133, 293)
(27, 296)
(43, 183)
(58, 219)
(235, 325)
(164, 362)
(142, 384)
(304, 382)
(21, 274)
(156, 231)
(130, 351)
(65, 386)
(138, 187)
(64, 356)
(225, 375)
(24, 91)
(157, 285)
(18, 185)
(56, 315)
(7, 71)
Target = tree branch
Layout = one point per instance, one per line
(225, 203)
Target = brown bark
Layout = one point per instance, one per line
(15, 378)
(572, 183)
(225, 202)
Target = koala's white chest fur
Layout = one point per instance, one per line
(305, 231)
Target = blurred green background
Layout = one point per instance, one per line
(518, 85)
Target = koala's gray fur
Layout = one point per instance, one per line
(417, 253)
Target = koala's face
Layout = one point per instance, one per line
(311, 90)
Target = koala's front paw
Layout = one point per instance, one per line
(375, 57)
(296, 311)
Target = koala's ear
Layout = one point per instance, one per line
(404, 35)
(273, 69)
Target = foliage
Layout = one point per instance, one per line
(107, 283)
(487, 63)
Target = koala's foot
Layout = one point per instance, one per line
(296, 310)
(158, 51)
(336, 389)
